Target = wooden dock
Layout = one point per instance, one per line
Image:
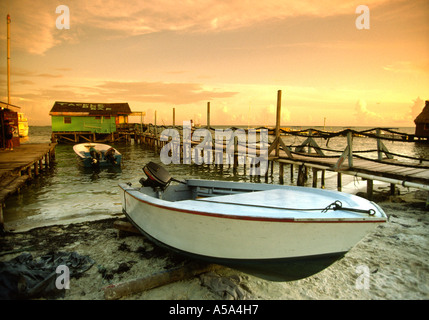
(21, 164)
(387, 167)
(393, 172)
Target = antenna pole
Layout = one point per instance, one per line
(8, 59)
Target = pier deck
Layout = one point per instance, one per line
(21, 164)
(389, 171)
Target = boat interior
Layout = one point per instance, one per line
(200, 189)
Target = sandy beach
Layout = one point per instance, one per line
(390, 263)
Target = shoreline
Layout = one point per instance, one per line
(396, 256)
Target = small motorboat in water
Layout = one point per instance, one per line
(249, 226)
(97, 155)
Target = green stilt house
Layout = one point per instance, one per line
(81, 121)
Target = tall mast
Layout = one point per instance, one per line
(8, 59)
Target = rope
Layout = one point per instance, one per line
(337, 205)
(316, 133)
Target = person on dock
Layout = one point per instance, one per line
(8, 131)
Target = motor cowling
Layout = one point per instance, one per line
(157, 176)
(95, 156)
(110, 156)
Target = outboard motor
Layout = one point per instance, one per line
(157, 176)
(95, 156)
(110, 156)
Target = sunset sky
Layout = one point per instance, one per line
(235, 54)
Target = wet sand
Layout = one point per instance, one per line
(390, 263)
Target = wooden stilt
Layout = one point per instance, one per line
(314, 178)
(322, 182)
(301, 175)
(369, 188)
(339, 181)
(281, 173)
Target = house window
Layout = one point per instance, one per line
(426, 126)
(67, 119)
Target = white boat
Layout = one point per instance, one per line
(250, 224)
(22, 125)
(97, 155)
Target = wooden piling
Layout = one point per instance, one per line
(369, 189)
(208, 115)
(339, 181)
(315, 178)
(278, 117)
(281, 173)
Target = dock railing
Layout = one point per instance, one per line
(311, 148)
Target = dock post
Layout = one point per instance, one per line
(46, 160)
(156, 135)
(302, 175)
(278, 117)
(314, 178)
(339, 181)
(369, 188)
(36, 169)
(322, 183)
(350, 148)
(235, 164)
(208, 115)
(174, 118)
(392, 189)
(281, 173)
(267, 171)
(1, 219)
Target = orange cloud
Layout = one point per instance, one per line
(363, 114)
(33, 21)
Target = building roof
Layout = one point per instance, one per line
(5, 105)
(423, 117)
(88, 109)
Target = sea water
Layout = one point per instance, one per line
(69, 193)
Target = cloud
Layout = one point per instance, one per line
(141, 17)
(24, 82)
(285, 113)
(142, 92)
(34, 28)
(416, 108)
(363, 115)
(32, 24)
(21, 72)
(174, 93)
(408, 67)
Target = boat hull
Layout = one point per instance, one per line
(280, 269)
(239, 239)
